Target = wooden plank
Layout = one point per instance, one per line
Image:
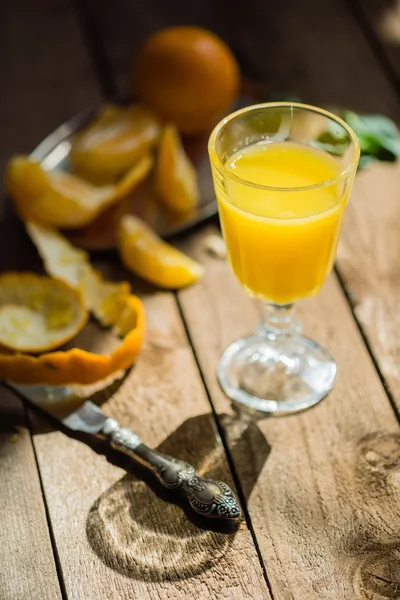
(322, 87)
(41, 59)
(340, 549)
(26, 556)
(115, 536)
(150, 549)
(381, 20)
(368, 256)
(320, 505)
(325, 507)
(369, 262)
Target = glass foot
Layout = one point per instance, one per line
(276, 378)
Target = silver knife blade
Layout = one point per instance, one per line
(88, 418)
(63, 404)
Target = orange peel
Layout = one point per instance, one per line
(115, 140)
(147, 255)
(76, 365)
(38, 313)
(111, 303)
(175, 176)
(60, 199)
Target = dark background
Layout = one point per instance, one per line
(57, 57)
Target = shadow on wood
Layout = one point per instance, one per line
(137, 527)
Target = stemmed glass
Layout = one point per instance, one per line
(282, 174)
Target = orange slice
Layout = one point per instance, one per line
(38, 313)
(115, 140)
(175, 176)
(111, 303)
(147, 255)
(61, 199)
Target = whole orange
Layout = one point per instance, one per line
(188, 75)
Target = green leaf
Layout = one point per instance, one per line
(377, 135)
(378, 125)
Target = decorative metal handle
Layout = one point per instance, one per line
(207, 497)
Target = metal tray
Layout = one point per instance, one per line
(53, 153)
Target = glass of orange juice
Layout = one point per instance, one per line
(282, 174)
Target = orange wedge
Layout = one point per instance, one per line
(61, 199)
(115, 140)
(37, 313)
(175, 176)
(148, 256)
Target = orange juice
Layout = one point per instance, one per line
(282, 238)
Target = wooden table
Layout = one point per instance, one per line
(321, 490)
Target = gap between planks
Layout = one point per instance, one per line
(231, 462)
(368, 346)
(57, 562)
(314, 453)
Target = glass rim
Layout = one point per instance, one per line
(217, 163)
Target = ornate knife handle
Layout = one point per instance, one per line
(207, 497)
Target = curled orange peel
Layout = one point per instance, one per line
(111, 303)
(115, 140)
(76, 365)
(61, 199)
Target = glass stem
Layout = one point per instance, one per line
(277, 323)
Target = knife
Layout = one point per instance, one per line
(207, 497)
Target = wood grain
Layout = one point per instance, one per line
(324, 500)
(26, 556)
(40, 57)
(326, 504)
(369, 262)
(117, 537)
